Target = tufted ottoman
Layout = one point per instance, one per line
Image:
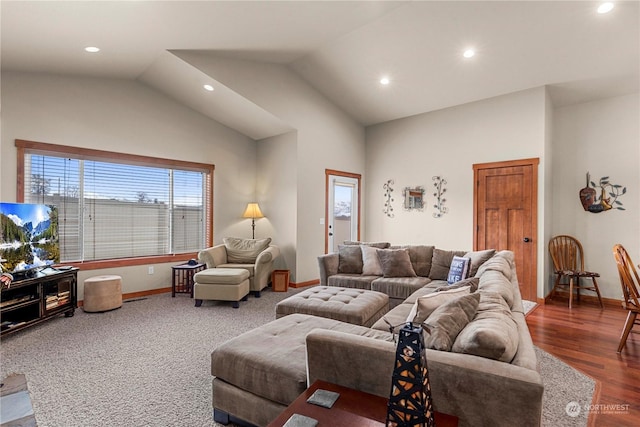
(223, 284)
(102, 293)
(355, 306)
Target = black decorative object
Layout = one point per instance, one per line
(410, 403)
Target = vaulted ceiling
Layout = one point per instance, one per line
(341, 48)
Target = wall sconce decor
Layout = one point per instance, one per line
(439, 184)
(388, 209)
(410, 403)
(593, 203)
(253, 211)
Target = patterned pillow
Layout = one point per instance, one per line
(459, 269)
(244, 251)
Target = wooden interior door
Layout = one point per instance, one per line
(505, 215)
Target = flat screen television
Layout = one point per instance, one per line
(28, 237)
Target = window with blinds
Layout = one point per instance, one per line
(113, 206)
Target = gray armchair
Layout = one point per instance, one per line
(259, 269)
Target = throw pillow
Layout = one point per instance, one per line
(244, 251)
(396, 263)
(441, 263)
(370, 261)
(478, 258)
(471, 281)
(459, 269)
(426, 305)
(349, 259)
(446, 321)
(493, 333)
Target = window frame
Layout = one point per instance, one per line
(25, 147)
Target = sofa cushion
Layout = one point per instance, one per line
(349, 259)
(425, 305)
(459, 269)
(494, 281)
(370, 261)
(357, 281)
(244, 251)
(398, 287)
(396, 263)
(379, 245)
(478, 258)
(441, 263)
(446, 321)
(493, 333)
(270, 360)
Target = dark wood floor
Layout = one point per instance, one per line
(587, 338)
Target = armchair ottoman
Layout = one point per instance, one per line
(257, 256)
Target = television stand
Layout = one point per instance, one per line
(32, 300)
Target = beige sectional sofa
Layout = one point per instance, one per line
(488, 379)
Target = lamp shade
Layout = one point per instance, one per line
(252, 211)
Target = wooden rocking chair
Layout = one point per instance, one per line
(568, 262)
(630, 283)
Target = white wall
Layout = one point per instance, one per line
(126, 116)
(601, 137)
(327, 139)
(276, 192)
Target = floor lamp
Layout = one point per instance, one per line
(253, 211)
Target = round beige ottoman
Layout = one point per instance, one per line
(102, 293)
(222, 284)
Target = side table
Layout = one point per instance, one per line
(353, 408)
(182, 278)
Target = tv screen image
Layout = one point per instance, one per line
(28, 236)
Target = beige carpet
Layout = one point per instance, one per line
(148, 364)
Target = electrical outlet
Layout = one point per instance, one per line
(150, 269)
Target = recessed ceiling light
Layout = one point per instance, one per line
(385, 81)
(605, 7)
(208, 87)
(92, 49)
(469, 53)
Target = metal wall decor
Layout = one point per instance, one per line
(439, 184)
(388, 209)
(593, 203)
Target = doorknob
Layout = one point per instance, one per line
(526, 240)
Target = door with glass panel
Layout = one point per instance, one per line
(342, 208)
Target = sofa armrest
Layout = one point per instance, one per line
(213, 256)
(328, 265)
(263, 267)
(477, 390)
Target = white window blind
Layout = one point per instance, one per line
(111, 209)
